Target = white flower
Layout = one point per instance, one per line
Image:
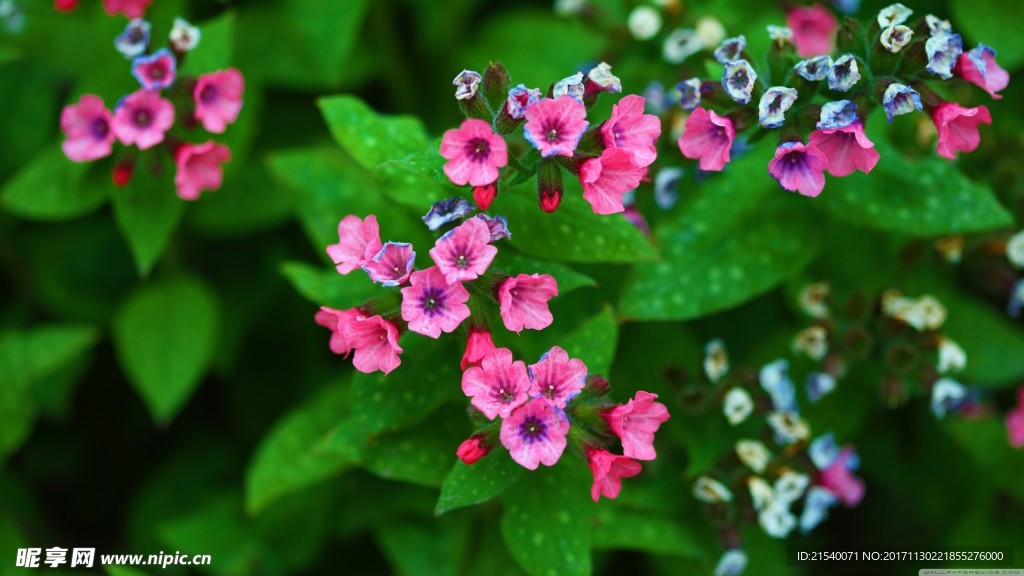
(951, 248)
(737, 405)
(569, 7)
(680, 44)
(707, 489)
(710, 31)
(753, 454)
(603, 77)
(776, 520)
(780, 34)
(760, 493)
(790, 486)
(811, 342)
(571, 85)
(732, 563)
(923, 313)
(952, 357)
(788, 427)
(896, 38)
(938, 26)
(893, 15)
(774, 104)
(774, 379)
(716, 360)
(184, 36)
(1015, 249)
(813, 299)
(947, 394)
(644, 22)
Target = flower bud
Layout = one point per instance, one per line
(549, 185)
(473, 449)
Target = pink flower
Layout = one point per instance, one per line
(708, 138)
(464, 252)
(635, 422)
(813, 30)
(392, 265)
(375, 342)
(535, 433)
(218, 97)
(142, 118)
(799, 168)
(430, 305)
(632, 130)
(607, 178)
(474, 153)
(524, 301)
(978, 66)
(333, 319)
(847, 149)
(65, 5)
(199, 168)
(609, 470)
(87, 129)
(484, 195)
(1015, 421)
(498, 386)
(557, 377)
(130, 8)
(839, 480)
(958, 127)
(478, 344)
(555, 125)
(472, 449)
(358, 242)
(155, 72)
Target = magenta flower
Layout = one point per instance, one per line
(557, 377)
(799, 168)
(1015, 421)
(555, 125)
(142, 118)
(847, 149)
(524, 301)
(813, 30)
(498, 385)
(392, 265)
(464, 252)
(708, 138)
(978, 66)
(130, 8)
(635, 422)
(606, 179)
(87, 129)
(484, 195)
(358, 243)
(478, 344)
(430, 305)
(958, 127)
(474, 153)
(218, 98)
(375, 342)
(838, 479)
(535, 433)
(333, 320)
(472, 449)
(632, 130)
(199, 168)
(155, 72)
(609, 470)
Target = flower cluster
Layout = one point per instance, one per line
(144, 119)
(833, 83)
(610, 159)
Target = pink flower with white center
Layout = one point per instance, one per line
(635, 423)
(799, 168)
(535, 433)
(606, 179)
(358, 243)
(524, 301)
(708, 138)
(430, 305)
(199, 168)
(474, 152)
(555, 125)
(87, 129)
(130, 8)
(847, 149)
(813, 30)
(632, 130)
(142, 118)
(333, 320)
(473, 449)
(392, 265)
(958, 127)
(464, 252)
(218, 98)
(609, 470)
(478, 344)
(557, 377)
(1015, 421)
(155, 72)
(839, 479)
(375, 342)
(498, 385)
(979, 67)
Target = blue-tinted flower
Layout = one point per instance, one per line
(900, 99)
(658, 100)
(816, 507)
(947, 396)
(943, 52)
(134, 40)
(896, 38)
(680, 44)
(689, 93)
(157, 71)
(445, 211)
(730, 49)
(893, 15)
(12, 17)
(847, 6)
(1016, 303)
(738, 80)
(814, 69)
(466, 84)
(776, 520)
(937, 26)
(838, 114)
(774, 104)
(519, 99)
(498, 225)
(780, 34)
(823, 450)
(819, 384)
(774, 378)
(666, 187)
(572, 85)
(392, 265)
(732, 563)
(843, 74)
(602, 76)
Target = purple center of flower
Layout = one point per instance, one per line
(616, 135)
(793, 159)
(432, 301)
(738, 81)
(503, 394)
(135, 34)
(157, 71)
(208, 93)
(479, 149)
(843, 70)
(532, 430)
(775, 105)
(100, 128)
(552, 132)
(142, 118)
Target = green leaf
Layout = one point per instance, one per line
(988, 444)
(568, 279)
(51, 187)
(616, 529)
(165, 335)
(29, 99)
(993, 344)
(215, 50)
(435, 547)
(418, 180)
(421, 456)
(594, 342)
(370, 138)
(993, 22)
(287, 459)
(248, 203)
(484, 480)
(546, 520)
(738, 237)
(328, 287)
(147, 213)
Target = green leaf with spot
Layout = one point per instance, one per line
(594, 342)
(52, 187)
(484, 480)
(422, 455)
(418, 180)
(368, 137)
(619, 529)
(425, 547)
(329, 288)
